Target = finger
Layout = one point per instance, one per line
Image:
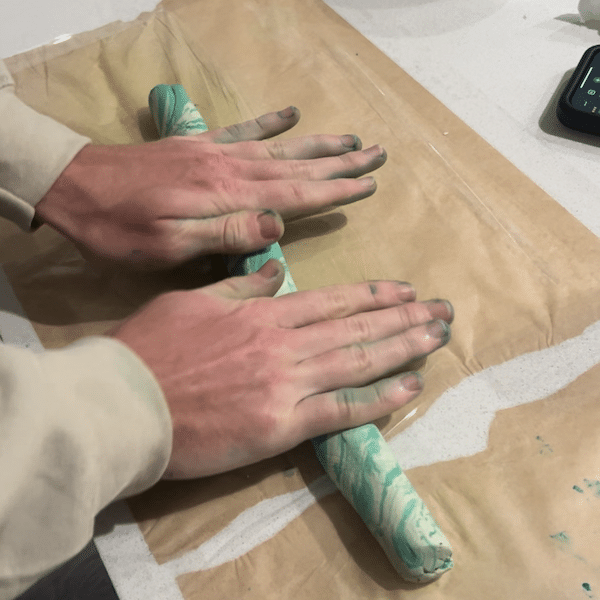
(293, 198)
(302, 148)
(290, 198)
(360, 364)
(313, 146)
(265, 282)
(351, 407)
(235, 233)
(261, 128)
(353, 164)
(338, 301)
(370, 326)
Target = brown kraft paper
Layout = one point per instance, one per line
(451, 215)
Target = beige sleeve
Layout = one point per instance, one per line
(79, 428)
(34, 150)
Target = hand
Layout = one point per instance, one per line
(159, 204)
(247, 377)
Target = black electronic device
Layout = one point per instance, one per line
(579, 104)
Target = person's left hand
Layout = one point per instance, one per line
(159, 204)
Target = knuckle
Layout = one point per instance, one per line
(216, 163)
(296, 192)
(381, 393)
(346, 402)
(412, 346)
(337, 302)
(359, 328)
(302, 170)
(276, 150)
(228, 187)
(237, 131)
(169, 245)
(360, 358)
(260, 124)
(403, 318)
(232, 233)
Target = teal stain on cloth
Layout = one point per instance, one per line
(359, 461)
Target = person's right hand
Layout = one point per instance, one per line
(160, 204)
(247, 376)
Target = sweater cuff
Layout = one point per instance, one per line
(125, 413)
(34, 151)
(80, 427)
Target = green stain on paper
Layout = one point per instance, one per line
(561, 537)
(546, 448)
(593, 485)
(588, 589)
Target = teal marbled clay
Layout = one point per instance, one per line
(358, 460)
(365, 470)
(173, 112)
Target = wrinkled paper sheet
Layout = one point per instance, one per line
(504, 443)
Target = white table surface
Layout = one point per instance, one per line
(498, 64)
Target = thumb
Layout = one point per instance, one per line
(239, 232)
(265, 282)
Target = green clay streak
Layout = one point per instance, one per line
(367, 473)
(358, 460)
(406, 553)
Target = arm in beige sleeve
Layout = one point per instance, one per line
(34, 150)
(79, 428)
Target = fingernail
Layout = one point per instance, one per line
(413, 382)
(271, 269)
(351, 141)
(447, 304)
(270, 225)
(440, 330)
(377, 151)
(407, 291)
(368, 181)
(288, 112)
